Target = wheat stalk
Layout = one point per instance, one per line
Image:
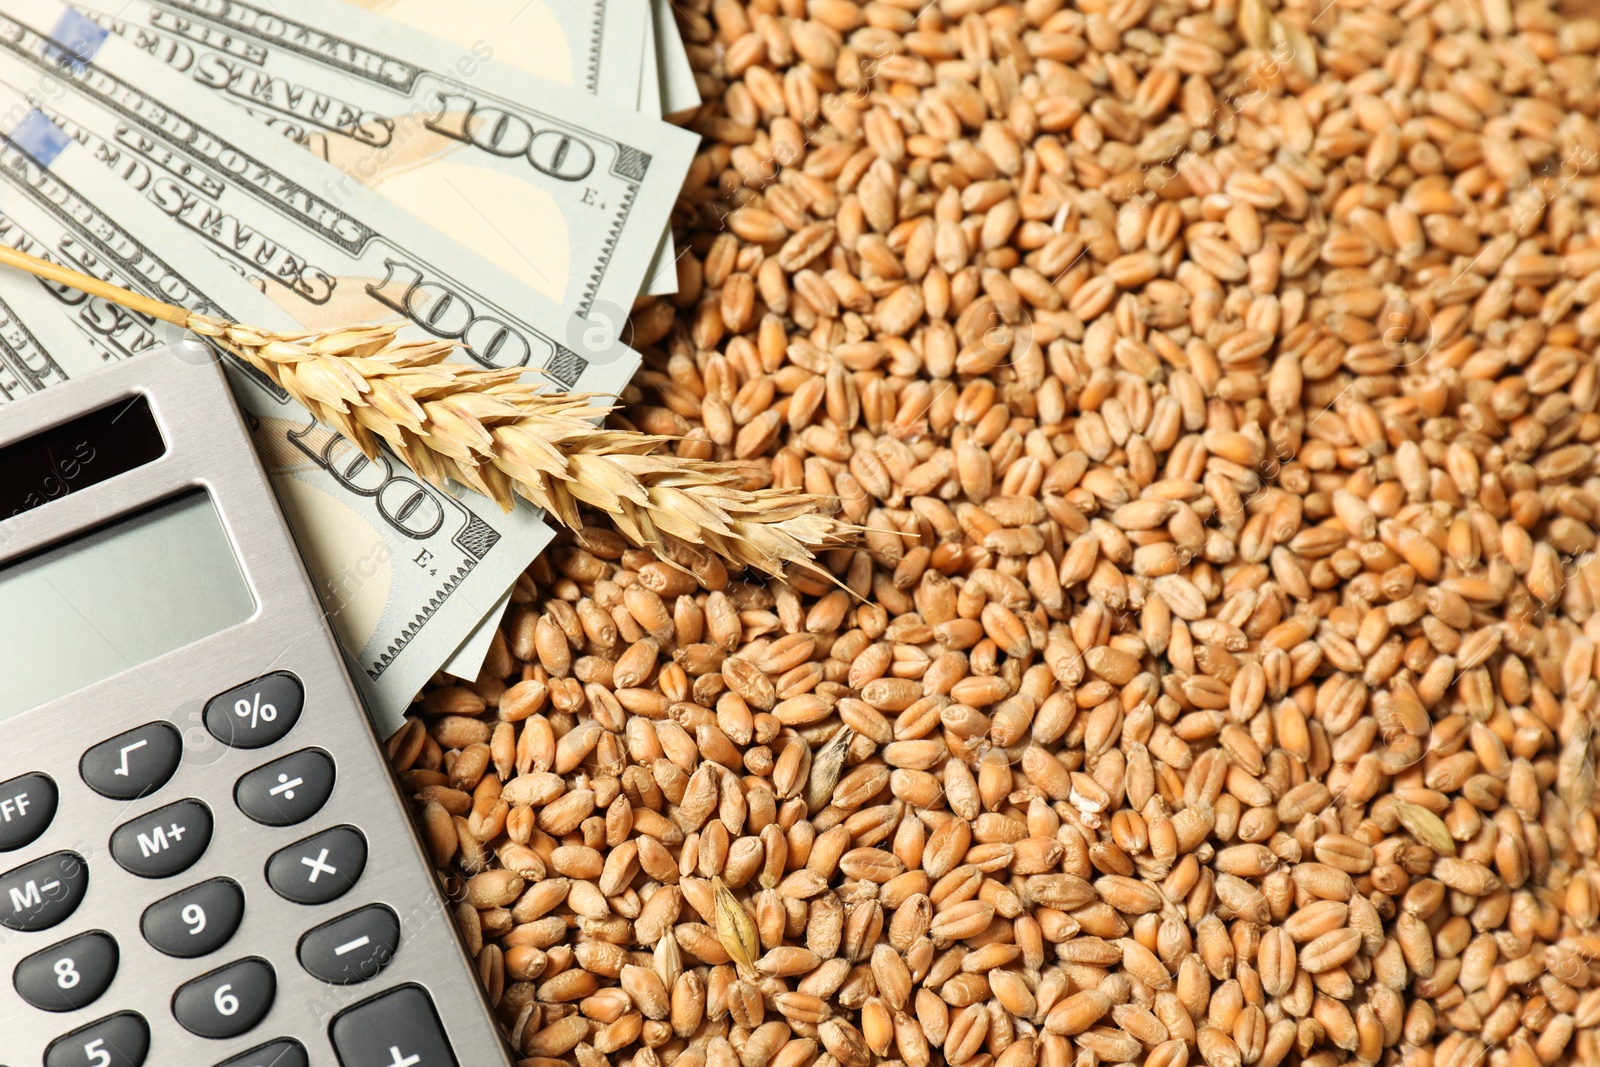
(499, 435)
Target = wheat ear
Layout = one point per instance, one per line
(502, 437)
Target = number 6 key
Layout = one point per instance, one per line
(228, 1001)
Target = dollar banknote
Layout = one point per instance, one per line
(678, 89)
(404, 571)
(330, 252)
(562, 190)
(593, 45)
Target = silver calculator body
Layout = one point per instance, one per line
(194, 871)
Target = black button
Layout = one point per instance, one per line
(288, 790)
(133, 764)
(256, 714)
(228, 1001)
(321, 868)
(398, 1027)
(164, 842)
(38, 895)
(70, 975)
(121, 1040)
(196, 921)
(351, 948)
(27, 804)
(285, 1053)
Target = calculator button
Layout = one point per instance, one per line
(321, 868)
(256, 714)
(228, 1001)
(351, 948)
(121, 1040)
(398, 1027)
(133, 764)
(38, 895)
(70, 975)
(165, 842)
(285, 1053)
(288, 790)
(196, 921)
(27, 804)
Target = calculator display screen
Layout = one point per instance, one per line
(115, 598)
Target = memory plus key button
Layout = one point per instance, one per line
(257, 713)
(27, 804)
(288, 790)
(38, 895)
(165, 841)
(133, 764)
(399, 1027)
(121, 1040)
(321, 868)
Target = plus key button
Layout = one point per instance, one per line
(395, 1029)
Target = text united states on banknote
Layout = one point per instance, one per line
(404, 571)
(330, 253)
(562, 190)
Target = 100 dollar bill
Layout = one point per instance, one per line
(403, 570)
(593, 45)
(330, 253)
(563, 191)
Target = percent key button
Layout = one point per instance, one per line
(288, 790)
(257, 713)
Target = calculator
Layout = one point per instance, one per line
(204, 859)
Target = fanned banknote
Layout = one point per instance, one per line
(404, 571)
(561, 190)
(328, 251)
(593, 45)
(678, 89)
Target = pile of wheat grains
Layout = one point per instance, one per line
(1216, 678)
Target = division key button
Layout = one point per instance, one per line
(121, 1040)
(163, 842)
(321, 868)
(133, 764)
(38, 895)
(398, 1027)
(27, 804)
(257, 713)
(288, 790)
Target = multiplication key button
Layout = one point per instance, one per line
(321, 868)
(397, 1029)
(165, 841)
(27, 804)
(38, 895)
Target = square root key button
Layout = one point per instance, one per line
(320, 868)
(397, 1029)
